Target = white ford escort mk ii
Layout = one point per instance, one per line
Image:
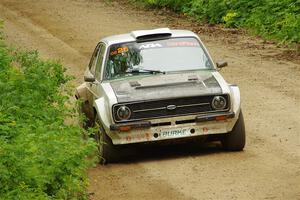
(157, 86)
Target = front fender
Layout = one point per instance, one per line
(81, 92)
(103, 112)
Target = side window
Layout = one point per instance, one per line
(100, 61)
(92, 64)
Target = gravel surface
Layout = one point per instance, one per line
(268, 168)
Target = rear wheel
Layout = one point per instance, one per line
(107, 151)
(236, 139)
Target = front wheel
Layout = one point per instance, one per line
(236, 139)
(107, 151)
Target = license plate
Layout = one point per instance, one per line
(174, 133)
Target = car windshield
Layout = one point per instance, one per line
(160, 56)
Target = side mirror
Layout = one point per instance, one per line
(89, 77)
(221, 64)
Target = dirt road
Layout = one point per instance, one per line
(269, 168)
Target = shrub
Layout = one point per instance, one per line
(272, 19)
(42, 157)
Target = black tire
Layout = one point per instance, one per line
(236, 139)
(107, 151)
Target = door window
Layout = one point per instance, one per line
(98, 68)
(92, 64)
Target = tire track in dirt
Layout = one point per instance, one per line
(29, 35)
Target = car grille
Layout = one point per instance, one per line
(169, 107)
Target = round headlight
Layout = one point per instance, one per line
(123, 113)
(219, 103)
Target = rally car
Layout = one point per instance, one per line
(150, 86)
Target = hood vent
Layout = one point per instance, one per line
(134, 84)
(193, 78)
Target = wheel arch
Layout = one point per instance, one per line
(81, 92)
(103, 112)
(235, 99)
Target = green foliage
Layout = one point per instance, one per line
(42, 157)
(272, 19)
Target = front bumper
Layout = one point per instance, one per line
(172, 128)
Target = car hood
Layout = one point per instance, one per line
(165, 86)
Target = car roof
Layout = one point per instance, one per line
(132, 37)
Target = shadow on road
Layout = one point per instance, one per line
(142, 153)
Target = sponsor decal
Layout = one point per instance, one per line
(138, 137)
(128, 138)
(119, 50)
(183, 44)
(150, 45)
(205, 130)
(147, 135)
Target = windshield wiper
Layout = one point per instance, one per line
(151, 71)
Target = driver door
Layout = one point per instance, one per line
(97, 69)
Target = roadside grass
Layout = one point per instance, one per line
(41, 156)
(273, 20)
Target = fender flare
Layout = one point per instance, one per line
(235, 99)
(81, 92)
(103, 113)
